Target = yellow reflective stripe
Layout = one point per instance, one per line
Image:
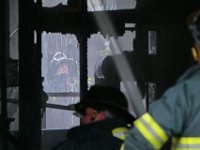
(120, 132)
(156, 127)
(148, 136)
(186, 140)
(122, 147)
(186, 143)
(151, 131)
(184, 149)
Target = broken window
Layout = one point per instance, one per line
(53, 3)
(99, 47)
(152, 42)
(60, 69)
(99, 5)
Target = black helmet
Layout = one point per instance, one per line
(105, 98)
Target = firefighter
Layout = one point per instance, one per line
(105, 120)
(176, 115)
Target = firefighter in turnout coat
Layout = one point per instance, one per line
(176, 115)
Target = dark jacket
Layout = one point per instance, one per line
(101, 135)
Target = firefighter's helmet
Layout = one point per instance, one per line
(105, 98)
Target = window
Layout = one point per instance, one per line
(60, 69)
(151, 91)
(99, 5)
(99, 47)
(152, 42)
(13, 91)
(53, 3)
